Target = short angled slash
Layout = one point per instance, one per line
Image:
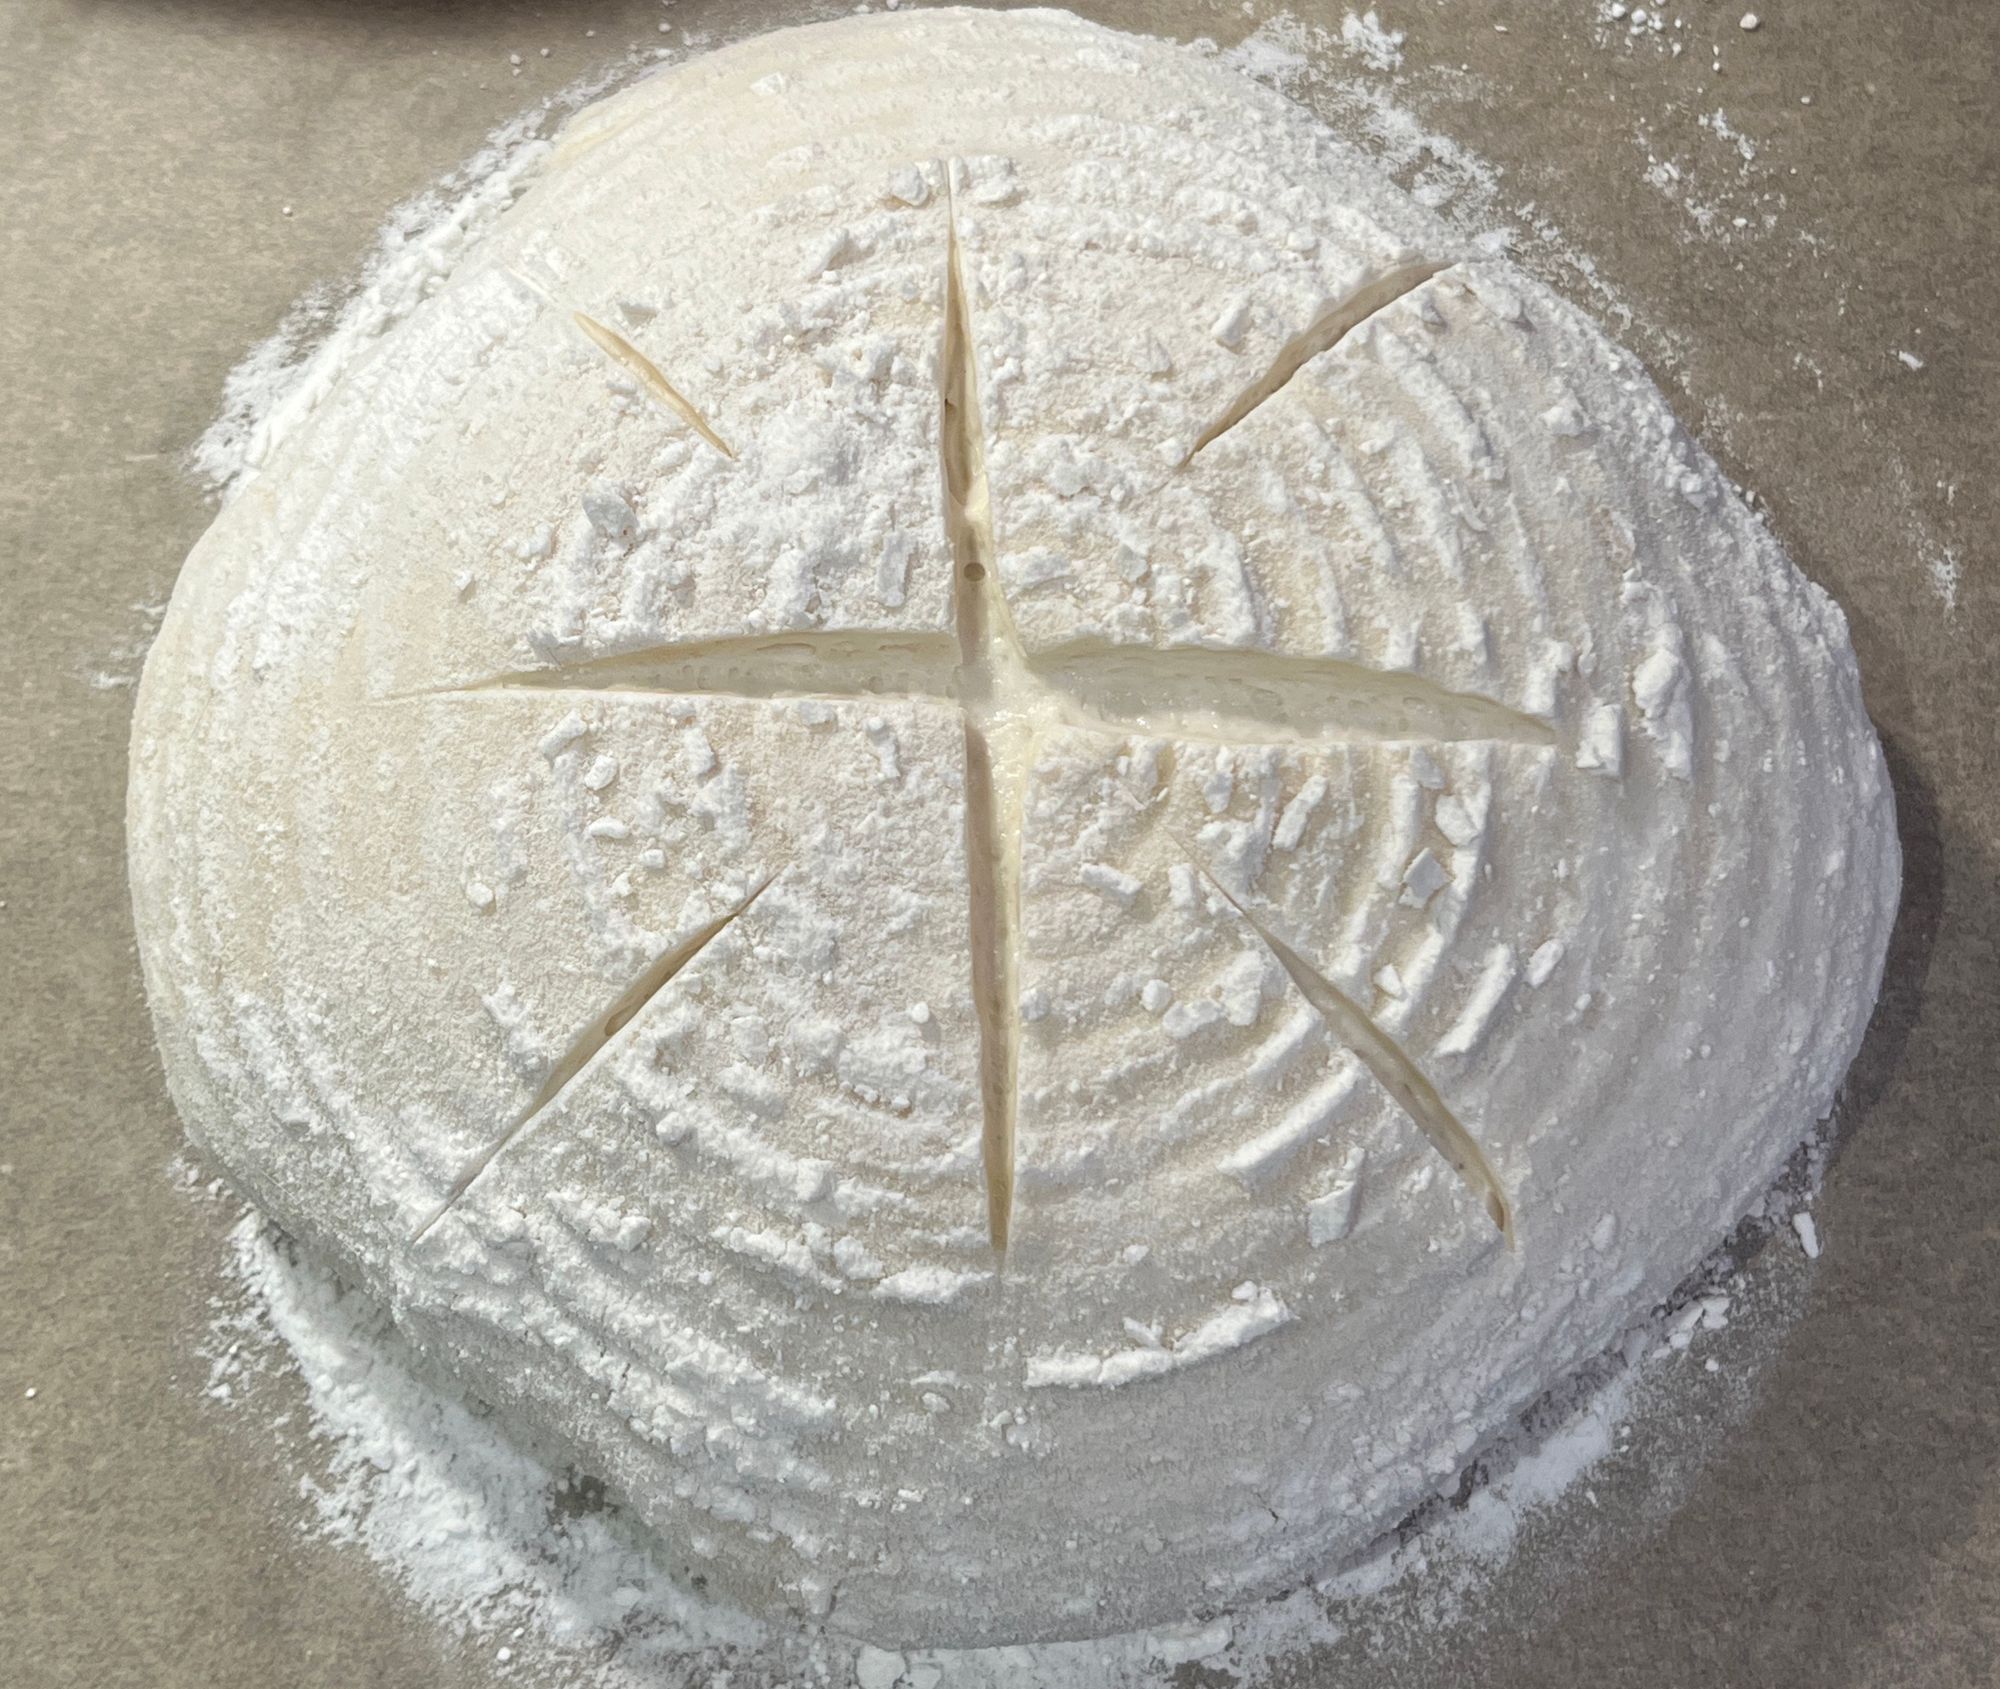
(1392, 1069)
(594, 1041)
(616, 347)
(1325, 332)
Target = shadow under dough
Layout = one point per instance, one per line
(1876, 1435)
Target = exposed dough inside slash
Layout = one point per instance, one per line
(684, 830)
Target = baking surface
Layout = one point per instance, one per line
(1847, 1532)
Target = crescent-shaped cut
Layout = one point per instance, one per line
(911, 819)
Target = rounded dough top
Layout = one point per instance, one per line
(963, 631)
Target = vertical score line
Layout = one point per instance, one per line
(992, 776)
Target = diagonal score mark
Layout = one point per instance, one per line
(1322, 334)
(620, 350)
(1236, 697)
(993, 685)
(1385, 1059)
(594, 1040)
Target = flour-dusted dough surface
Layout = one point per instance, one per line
(1454, 659)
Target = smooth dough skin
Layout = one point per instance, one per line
(800, 483)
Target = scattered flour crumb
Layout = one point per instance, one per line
(1943, 567)
(1364, 38)
(1109, 882)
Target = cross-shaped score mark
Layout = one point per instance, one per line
(1008, 698)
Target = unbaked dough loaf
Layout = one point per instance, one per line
(894, 509)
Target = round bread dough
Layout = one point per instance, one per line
(963, 630)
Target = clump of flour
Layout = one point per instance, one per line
(496, 1546)
(474, 1530)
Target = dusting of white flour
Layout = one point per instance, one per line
(535, 1564)
(529, 1563)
